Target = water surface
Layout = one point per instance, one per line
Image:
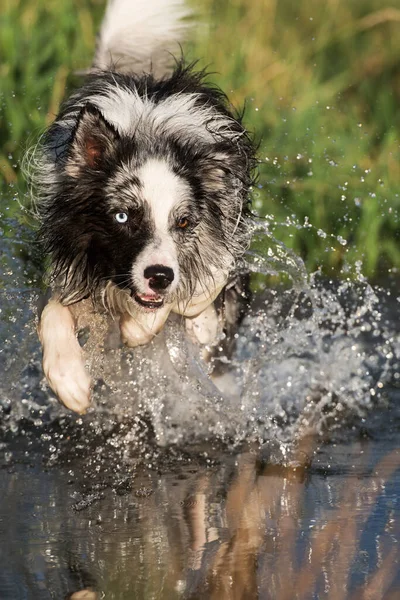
(282, 482)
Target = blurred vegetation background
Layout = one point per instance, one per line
(321, 85)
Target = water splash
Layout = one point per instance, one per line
(312, 356)
(269, 256)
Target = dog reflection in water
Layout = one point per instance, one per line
(83, 595)
(237, 538)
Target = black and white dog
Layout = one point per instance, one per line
(142, 190)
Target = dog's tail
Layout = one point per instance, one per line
(141, 35)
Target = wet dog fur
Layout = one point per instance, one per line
(142, 190)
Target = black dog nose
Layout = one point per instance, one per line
(159, 277)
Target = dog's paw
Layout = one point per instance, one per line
(69, 380)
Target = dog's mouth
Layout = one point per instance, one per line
(149, 301)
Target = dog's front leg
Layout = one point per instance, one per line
(63, 362)
(141, 328)
(204, 328)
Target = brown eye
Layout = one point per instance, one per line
(182, 223)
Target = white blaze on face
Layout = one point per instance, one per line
(163, 190)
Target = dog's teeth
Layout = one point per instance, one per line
(150, 302)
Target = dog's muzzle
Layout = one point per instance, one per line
(159, 277)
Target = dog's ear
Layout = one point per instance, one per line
(93, 142)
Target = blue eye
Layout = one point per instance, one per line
(121, 217)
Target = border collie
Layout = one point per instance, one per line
(142, 189)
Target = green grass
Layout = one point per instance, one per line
(321, 82)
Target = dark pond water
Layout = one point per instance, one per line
(280, 480)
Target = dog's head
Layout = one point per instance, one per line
(145, 184)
